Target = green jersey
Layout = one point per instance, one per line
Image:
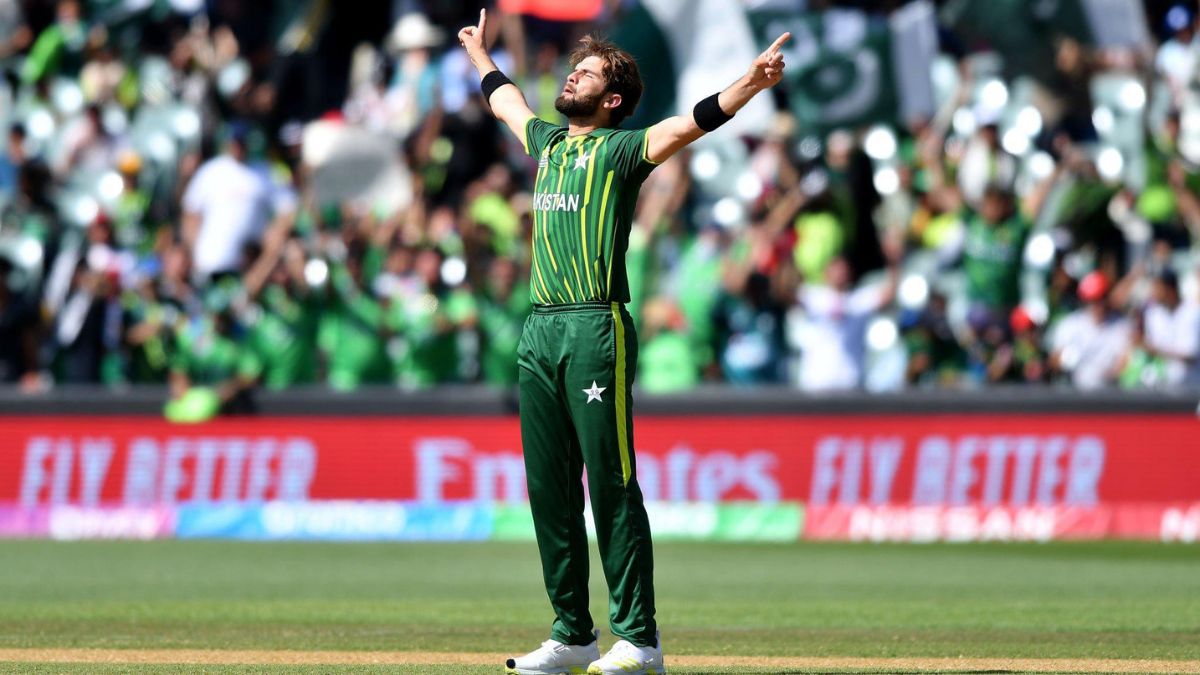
(285, 337)
(210, 358)
(583, 200)
(992, 256)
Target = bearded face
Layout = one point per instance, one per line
(577, 104)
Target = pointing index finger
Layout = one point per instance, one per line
(482, 19)
(774, 48)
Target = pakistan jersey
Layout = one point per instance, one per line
(992, 256)
(583, 200)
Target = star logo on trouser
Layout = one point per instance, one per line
(593, 394)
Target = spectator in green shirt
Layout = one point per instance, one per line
(286, 310)
(352, 328)
(502, 311)
(149, 325)
(934, 354)
(60, 47)
(435, 326)
(992, 253)
(666, 361)
(208, 353)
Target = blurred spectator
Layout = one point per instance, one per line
(1088, 344)
(748, 328)
(665, 358)
(209, 353)
(159, 301)
(1176, 57)
(18, 332)
(503, 306)
(1172, 332)
(284, 316)
(352, 327)
(89, 324)
(87, 145)
(985, 169)
(31, 212)
(833, 349)
(820, 230)
(432, 324)
(993, 247)
(131, 213)
(227, 205)
(15, 35)
(1019, 359)
(1140, 369)
(935, 356)
(60, 48)
(12, 160)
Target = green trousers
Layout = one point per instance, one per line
(576, 370)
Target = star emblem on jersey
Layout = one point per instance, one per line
(581, 161)
(593, 394)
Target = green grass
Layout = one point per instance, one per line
(1094, 600)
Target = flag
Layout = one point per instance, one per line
(688, 51)
(1024, 32)
(1116, 23)
(847, 67)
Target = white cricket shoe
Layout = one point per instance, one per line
(554, 658)
(626, 658)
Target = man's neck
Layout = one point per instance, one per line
(578, 126)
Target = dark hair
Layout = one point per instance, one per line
(620, 72)
(1168, 278)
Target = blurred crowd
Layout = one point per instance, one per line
(223, 195)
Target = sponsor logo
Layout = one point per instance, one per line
(969, 469)
(70, 522)
(166, 470)
(679, 475)
(1181, 524)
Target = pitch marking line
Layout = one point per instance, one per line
(338, 658)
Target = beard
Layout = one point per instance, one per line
(577, 105)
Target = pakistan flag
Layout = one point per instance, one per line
(845, 67)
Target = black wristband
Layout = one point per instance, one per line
(708, 114)
(491, 82)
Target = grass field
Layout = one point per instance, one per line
(1077, 602)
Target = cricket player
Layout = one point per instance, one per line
(578, 351)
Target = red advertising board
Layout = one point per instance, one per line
(831, 463)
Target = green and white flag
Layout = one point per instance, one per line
(847, 68)
(1024, 32)
(695, 49)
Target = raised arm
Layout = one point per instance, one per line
(507, 101)
(674, 133)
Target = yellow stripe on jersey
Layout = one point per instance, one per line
(599, 223)
(587, 198)
(646, 148)
(546, 238)
(578, 279)
(544, 294)
(541, 178)
(622, 426)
